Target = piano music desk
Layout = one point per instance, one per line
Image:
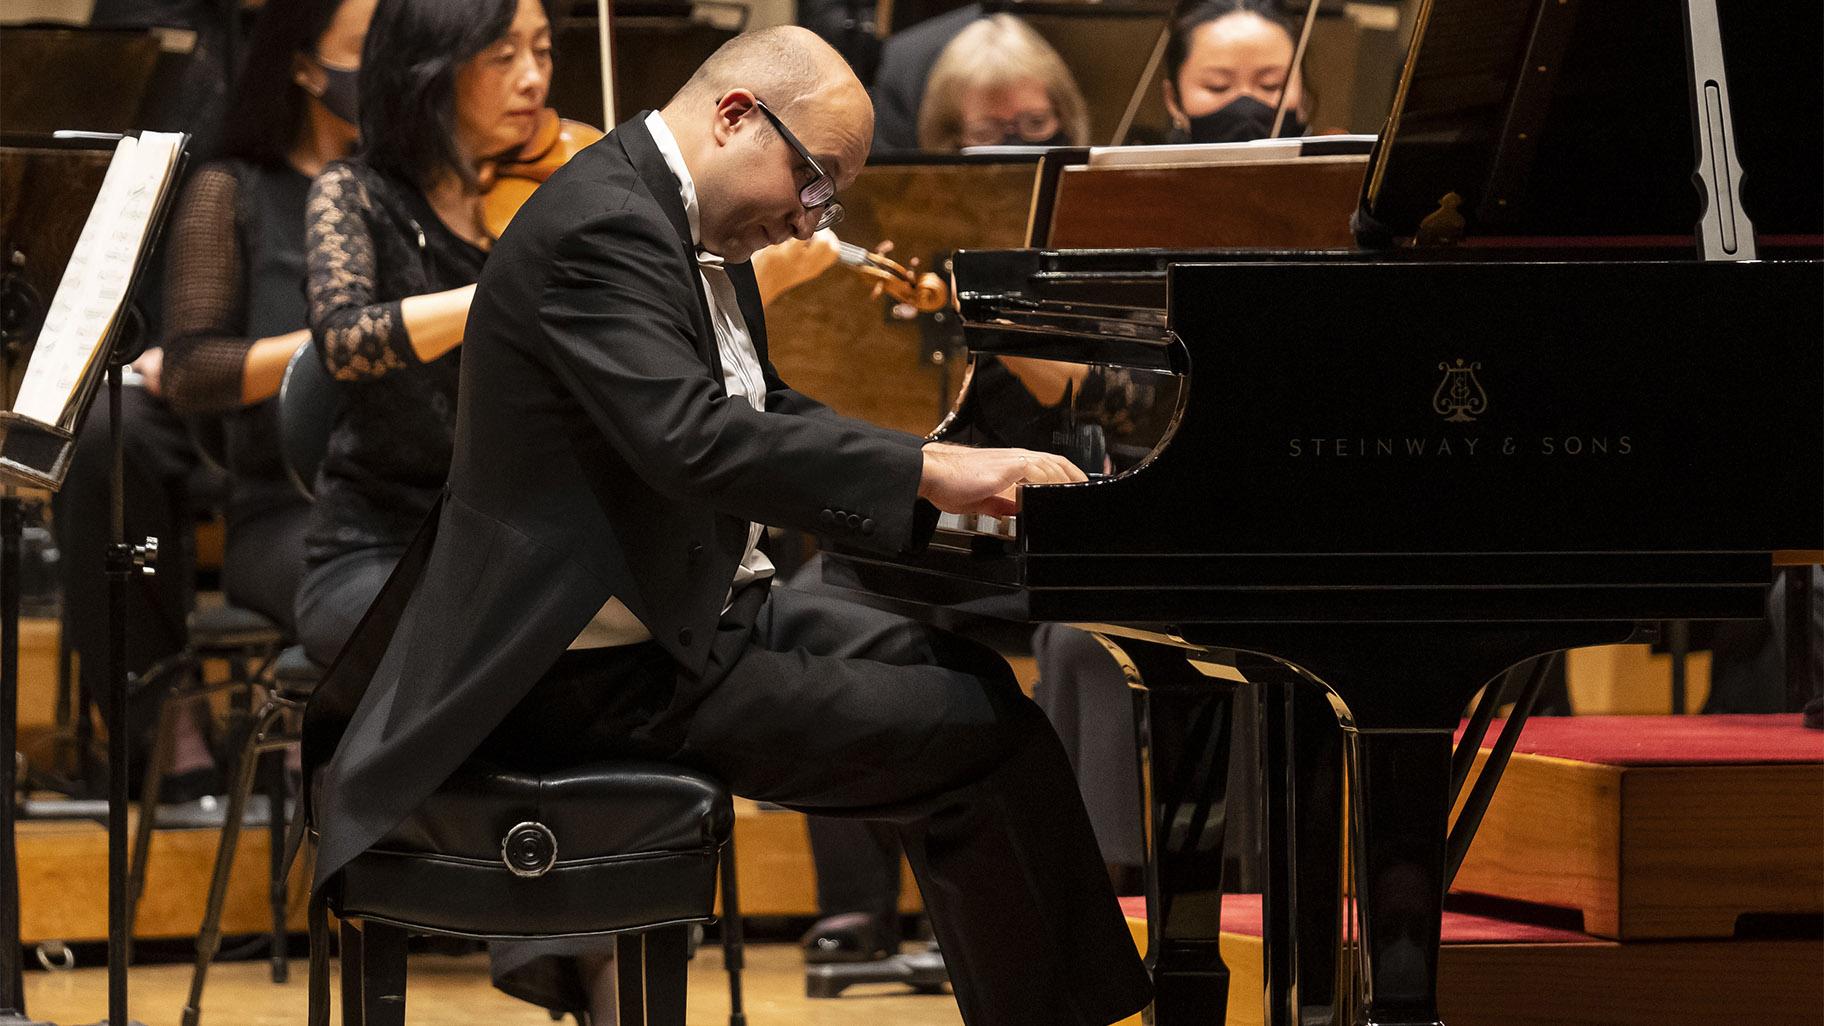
(1658, 826)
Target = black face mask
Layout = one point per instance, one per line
(341, 93)
(1241, 120)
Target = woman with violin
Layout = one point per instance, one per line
(396, 239)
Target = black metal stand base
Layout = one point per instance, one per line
(923, 971)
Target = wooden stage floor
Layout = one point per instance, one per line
(454, 991)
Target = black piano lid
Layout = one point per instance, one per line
(1611, 129)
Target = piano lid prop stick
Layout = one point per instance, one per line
(1724, 232)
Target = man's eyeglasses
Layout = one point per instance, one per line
(819, 193)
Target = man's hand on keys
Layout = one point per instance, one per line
(958, 479)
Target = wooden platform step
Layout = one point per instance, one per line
(1667, 827)
(773, 864)
(1505, 972)
(63, 883)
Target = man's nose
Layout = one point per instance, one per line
(804, 224)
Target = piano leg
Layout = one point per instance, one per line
(1184, 720)
(1400, 802)
(1301, 762)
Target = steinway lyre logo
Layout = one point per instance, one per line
(1459, 397)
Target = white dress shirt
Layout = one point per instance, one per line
(742, 378)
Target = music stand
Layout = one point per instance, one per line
(36, 454)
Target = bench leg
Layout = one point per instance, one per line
(629, 963)
(352, 969)
(667, 974)
(382, 975)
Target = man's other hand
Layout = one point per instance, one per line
(958, 479)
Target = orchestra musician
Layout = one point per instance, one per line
(906, 59)
(594, 589)
(999, 83)
(396, 242)
(1226, 63)
(234, 311)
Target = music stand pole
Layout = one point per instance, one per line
(12, 977)
(124, 559)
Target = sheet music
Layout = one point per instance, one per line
(93, 290)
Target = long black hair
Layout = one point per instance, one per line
(1189, 17)
(267, 106)
(408, 82)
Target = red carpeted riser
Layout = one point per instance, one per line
(1499, 971)
(1658, 826)
(1241, 914)
(1669, 740)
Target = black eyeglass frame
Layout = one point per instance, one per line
(829, 209)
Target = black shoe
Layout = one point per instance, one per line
(849, 937)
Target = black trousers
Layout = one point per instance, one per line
(829, 707)
(158, 461)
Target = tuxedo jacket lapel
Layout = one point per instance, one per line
(644, 154)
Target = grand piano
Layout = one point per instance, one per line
(1529, 411)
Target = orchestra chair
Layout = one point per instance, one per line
(248, 645)
(624, 848)
(309, 403)
(292, 678)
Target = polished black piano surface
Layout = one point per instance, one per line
(1571, 386)
(1394, 476)
(1339, 437)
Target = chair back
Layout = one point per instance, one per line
(309, 403)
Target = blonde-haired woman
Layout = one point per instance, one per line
(998, 83)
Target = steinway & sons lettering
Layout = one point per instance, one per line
(1459, 447)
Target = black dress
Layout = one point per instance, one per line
(372, 240)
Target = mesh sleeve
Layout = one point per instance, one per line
(205, 298)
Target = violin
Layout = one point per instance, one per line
(924, 292)
(508, 183)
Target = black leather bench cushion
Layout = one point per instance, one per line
(636, 846)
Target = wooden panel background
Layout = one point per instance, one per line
(833, 343)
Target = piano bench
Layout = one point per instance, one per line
(628, 849)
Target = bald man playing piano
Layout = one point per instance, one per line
(596, 587)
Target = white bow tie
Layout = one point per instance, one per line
(706, 259)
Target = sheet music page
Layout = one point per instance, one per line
(93, 290)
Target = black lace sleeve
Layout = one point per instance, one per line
(358, 337)
(205, 297)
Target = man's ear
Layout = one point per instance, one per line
(734, 108)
